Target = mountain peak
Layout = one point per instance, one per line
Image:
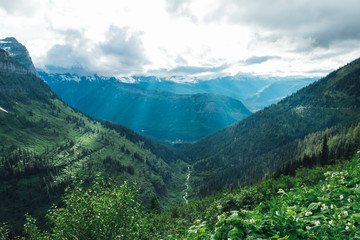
(19, 53)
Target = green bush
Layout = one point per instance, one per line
(103, 211)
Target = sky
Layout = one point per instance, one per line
(204, 38)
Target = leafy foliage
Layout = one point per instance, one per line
(103, 211)
(326, 210)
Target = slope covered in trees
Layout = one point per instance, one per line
(43, 143)
(318, 203)
(280, 134)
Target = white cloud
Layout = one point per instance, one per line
(135, 36)
(120, 52)
(19, 7)
(320, 22)
(123, 50)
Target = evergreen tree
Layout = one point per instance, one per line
(155, 205)
(324, 152)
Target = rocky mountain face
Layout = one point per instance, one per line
(7, 64)
(19, 53)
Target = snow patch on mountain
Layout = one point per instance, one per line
(69, 78)
(262, 90)
(1, 109)
(126, 79)
(183, 79)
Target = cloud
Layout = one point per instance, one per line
(121, 53)
(320, 22)
(18, 7)
(180, 60)
(180, 8)
(258, 60)
(190, 73)
(72, 55)
(197, 70)
(124, 47)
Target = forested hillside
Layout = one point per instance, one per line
(282, 133)
(44, 143)
(318, 203)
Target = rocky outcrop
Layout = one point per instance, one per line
(19, 53)
(7, 64)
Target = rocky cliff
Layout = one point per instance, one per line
(7, 64)
(19, 53)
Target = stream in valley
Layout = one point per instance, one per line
(187, 186)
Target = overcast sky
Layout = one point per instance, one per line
(195, 37)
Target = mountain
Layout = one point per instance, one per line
(159, 114)
(255, 92)
(283, 133)
(10, 65)
(19, 53)
(44, 143)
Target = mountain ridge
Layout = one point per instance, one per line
(249, 149)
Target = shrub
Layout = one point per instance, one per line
(103, 211)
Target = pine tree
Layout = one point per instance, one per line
(324, 152)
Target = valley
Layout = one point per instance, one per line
(229, 178)
(160, 115)
(169, 111)
(44, 143)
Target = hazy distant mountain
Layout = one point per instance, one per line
(160, 114)
(255, 92)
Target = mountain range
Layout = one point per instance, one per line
(45, 143)
(162, 115)
(171, 109)
(255, 92)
